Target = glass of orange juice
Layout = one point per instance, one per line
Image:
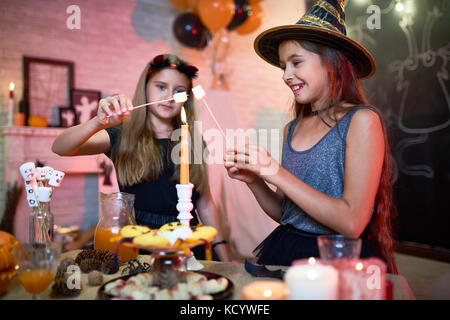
(36, 265)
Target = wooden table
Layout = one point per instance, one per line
(233, 271)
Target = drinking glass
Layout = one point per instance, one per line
(36, 265)
(338, 246)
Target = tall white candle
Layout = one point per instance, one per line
(312, 281)
(11, 104)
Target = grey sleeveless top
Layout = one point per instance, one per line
(321, 167)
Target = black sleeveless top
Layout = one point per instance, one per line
(155, 202)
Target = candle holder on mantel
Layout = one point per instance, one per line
(185, 206)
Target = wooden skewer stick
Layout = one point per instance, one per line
(217, 123)
(147, 104)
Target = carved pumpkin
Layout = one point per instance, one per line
(7, 242)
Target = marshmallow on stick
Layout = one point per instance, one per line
(40, 176)
(28, 172)
(178, 97)
(48, 172)
(56, 178)
(199, 94)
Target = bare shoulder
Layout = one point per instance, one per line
(365, 128)
(365, 118)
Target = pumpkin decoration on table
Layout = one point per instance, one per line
(7, 271)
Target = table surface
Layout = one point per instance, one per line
(233, 271)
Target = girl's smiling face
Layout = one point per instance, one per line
(162, 86)
(304, 73)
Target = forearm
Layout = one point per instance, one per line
(268, 200)
(334, 213)
(70, 140)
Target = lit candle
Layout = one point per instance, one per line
(184, 163)
(265, 290)
(361, 279)
(312, 281)
(11, 104)
(11, 90)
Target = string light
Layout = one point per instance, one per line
(399, 6)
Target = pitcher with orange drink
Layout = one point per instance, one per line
(117, 211)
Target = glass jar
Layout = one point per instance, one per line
(40, 223)
(117, 211)
(167, 268)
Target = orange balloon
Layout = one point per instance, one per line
(215, 14)
(180, 4)
(252, 2)
(253, 21)
(193, 4)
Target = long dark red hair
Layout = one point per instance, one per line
(345, 87)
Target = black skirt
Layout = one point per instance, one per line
(286, 244)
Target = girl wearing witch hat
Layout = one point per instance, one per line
(335, 175)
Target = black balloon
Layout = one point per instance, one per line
(241, 11)
(189, 31)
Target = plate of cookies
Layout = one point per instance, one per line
(197, 285)
(172, 236)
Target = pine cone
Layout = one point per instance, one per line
(108, 267)
(59, 288)
(98, 260)
(88, 265)
(63, 265)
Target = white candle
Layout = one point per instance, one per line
(11, 104)
(312, 281)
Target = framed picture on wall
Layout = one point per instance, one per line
(85, 104)
(66, 117)
(47, 84)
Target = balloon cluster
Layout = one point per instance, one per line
(195, 28)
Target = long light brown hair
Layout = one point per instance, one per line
(139, 156)
(345, 88)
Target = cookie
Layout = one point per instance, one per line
(204, 232)
(151, 239)
(168, 227)
(133, 231)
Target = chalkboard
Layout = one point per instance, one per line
(411, 87)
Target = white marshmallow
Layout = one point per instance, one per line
(180, 97)
(45, 194)
(40, 173)
(56, 178)
(28, 171)
(198, 92)
(48, 172)
(32, 202)
(182, 233)
(30, 188)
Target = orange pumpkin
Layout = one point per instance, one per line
(6, 276)
(7, 242)
(37, 121)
